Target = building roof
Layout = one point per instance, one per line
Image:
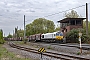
(67, 19)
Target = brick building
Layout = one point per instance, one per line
(68, 24)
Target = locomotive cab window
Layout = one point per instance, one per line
(61, 34)
(42, 36)
(57, 34)
(54, 35)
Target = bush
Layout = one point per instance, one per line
(73, 36)
(85, 39)
(25, 40)
(2, 41)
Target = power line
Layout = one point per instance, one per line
(65, 11)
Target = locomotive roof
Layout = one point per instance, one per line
(51, 33)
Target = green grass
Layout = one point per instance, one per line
(5, 55)
(78, 53)
(49, 47)
(20, 42)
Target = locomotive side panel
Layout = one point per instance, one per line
(54, 37)
(48, 36)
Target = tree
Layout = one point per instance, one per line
(57, 28)
(9, 36)
(40, 25)
(72, 14)
(20, 33)
(1, 36)
(84, 26)
(16, 32)
(89, 27)
(29, 29)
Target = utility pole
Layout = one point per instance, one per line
(17, 32)
(13, 33)
(24, 30)
(4, 34)
(86, 18)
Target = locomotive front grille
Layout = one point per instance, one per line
(59, 37)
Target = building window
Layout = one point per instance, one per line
(72, 22)
(78, 22)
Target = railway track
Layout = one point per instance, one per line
(68, 45)
(50, 54)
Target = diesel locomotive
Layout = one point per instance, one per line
(48, 37)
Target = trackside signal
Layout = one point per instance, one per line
(41, 50)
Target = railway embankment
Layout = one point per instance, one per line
(62, 49)
(8, 53)
(48, 47)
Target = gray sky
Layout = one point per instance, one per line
(12, 11)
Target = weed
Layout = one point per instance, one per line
(78, 53)
(49, 47)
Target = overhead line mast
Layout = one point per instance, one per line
(86, 18)
(24, 30)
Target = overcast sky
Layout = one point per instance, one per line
(12, 11)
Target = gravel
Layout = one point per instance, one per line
(53, 48)
(70, 50)
(21, 53)
(25, 54)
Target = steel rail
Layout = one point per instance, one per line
(48, 53)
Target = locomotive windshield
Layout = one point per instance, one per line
(59, 34)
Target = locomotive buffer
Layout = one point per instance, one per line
(41, 50)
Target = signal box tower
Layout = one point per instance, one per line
(68, 24)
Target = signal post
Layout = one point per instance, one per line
(80, 34)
